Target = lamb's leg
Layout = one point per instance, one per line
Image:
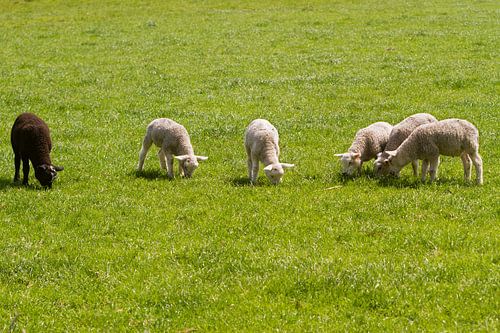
(360, 168)
(249, 163)
(146, 144)
(17, 166)
(425, 167)
(249, 167)
(467, 165)
(170, 165)
(433, 168)
(478, 165)
(414, 165)
(26, 170)
(255, 169)
(181, 169)
(162, 158)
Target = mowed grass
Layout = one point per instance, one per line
(109, 250)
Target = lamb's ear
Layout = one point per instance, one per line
(356, 155)
(58, 168)
(287, 165)
(181, 157)
(268, 168)
(391, 153)
(201, 158)
(338, 155)
(43, 167)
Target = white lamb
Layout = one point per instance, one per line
(450, 137)
(261, 144)
(398, 134)
(174, 142)
(368, 142)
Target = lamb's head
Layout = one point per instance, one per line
(380, 168)
(189, 163)
(275, 171)
(46, 174)
(351, 162)
(389, 163)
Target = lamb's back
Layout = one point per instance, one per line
(371, 140)
(29, 133)
(402, 130)
(450, 136)
(166, 131)
(259, 132)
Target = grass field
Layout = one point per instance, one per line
(109, 250)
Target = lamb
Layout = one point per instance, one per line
(368, 142)
(30, 139)
(450, 137)
(398, 134)
(174, 142)
(261, 144)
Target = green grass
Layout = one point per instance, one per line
(106, 250)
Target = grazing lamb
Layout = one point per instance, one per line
(368, 142)
(261, 144)
(450, 137)
(173, 139)
(398, 134)
(30, 139)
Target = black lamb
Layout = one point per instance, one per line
(30, 138)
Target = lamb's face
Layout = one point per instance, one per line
(350, 162)
(380, 168)
(45, 174)
(392, 169)
(189, 165)
(274, 173)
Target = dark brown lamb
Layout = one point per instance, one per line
(30, 138)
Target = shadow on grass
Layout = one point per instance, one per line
(245, 181)
(344, 179)
(241, 181)
(6, 183)
(411, 182)
(149, 174)
(402, 182)
(389, 181)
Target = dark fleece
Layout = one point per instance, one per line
(30, 138)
